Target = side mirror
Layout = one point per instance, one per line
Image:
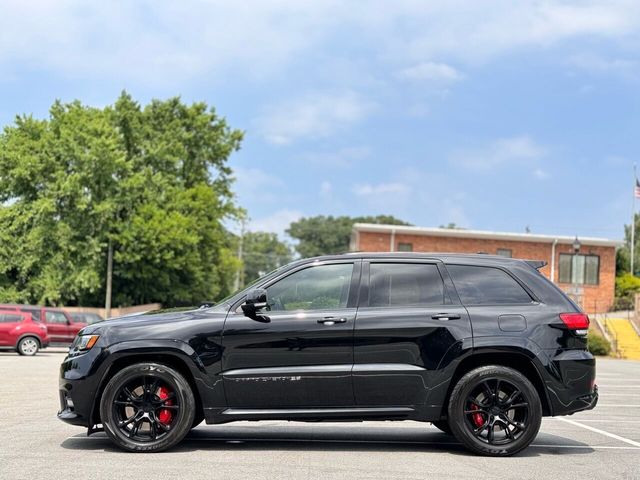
(256, 300)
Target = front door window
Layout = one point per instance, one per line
(315, 288)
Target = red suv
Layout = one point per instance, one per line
(19, 330)
(61, 326)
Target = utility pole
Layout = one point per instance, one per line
(107, 300)
(239, 281)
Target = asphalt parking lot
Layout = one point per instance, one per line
(602, 443)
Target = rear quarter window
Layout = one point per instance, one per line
(10, 317)
(478, 285)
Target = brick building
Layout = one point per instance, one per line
(588, 276)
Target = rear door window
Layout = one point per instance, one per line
(486, 286)
(56, 317)
(405, 284)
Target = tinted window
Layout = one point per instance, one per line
(486, 286)
(55, 317)
(396, 284)
(315, 288)
(10, 318)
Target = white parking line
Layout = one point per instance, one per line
(602, 432)
(588, 420)
(607, 387)
(628, 394)
(604, 447)
(618, 405)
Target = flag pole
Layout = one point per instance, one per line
(633, 219)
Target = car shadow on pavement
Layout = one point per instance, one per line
(329, 438)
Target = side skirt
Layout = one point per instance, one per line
(311, 414)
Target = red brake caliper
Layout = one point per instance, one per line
(165, 415)
(477, 417)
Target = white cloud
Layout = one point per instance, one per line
(368, 189)
(520, 149)
(254, 177)
(312, 116)
(342, 158)
(326, 189)
(277, 222)
(598, 64)
(164, 41)
(540, 174)
(255, 186)
(430, 71)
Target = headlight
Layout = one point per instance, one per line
(84, 343)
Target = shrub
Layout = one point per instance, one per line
(627, 286)
(598, 345)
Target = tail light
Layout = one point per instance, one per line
(578, 322)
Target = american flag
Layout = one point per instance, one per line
(637, 189)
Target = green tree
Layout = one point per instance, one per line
(153, 181)
(623, 254)
(324, 235)
(262, 253)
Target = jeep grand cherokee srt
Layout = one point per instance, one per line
(481, 346)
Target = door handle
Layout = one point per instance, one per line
(445, 316)
(332, 320)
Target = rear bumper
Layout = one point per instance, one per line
(570, 382)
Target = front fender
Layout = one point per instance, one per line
(173, 352)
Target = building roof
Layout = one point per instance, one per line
(483, 234)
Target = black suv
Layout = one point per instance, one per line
(481, 346)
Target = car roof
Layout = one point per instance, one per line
(469, 258)
(32, 307)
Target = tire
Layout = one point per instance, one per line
(28, 346)
(122, 401)
(495, 424)
(443, 426)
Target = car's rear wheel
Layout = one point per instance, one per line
(495, 410)
(28, 346)
(147, 407)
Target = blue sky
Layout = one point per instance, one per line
(494, 115)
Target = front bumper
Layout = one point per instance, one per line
(77, 385)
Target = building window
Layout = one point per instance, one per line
(579, 269)
(405, 247)
(504, 252)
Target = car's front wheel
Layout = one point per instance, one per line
(28, 346)
(495, 410)
(147, 407)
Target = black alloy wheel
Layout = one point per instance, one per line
(147, 407)
(496, 411)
